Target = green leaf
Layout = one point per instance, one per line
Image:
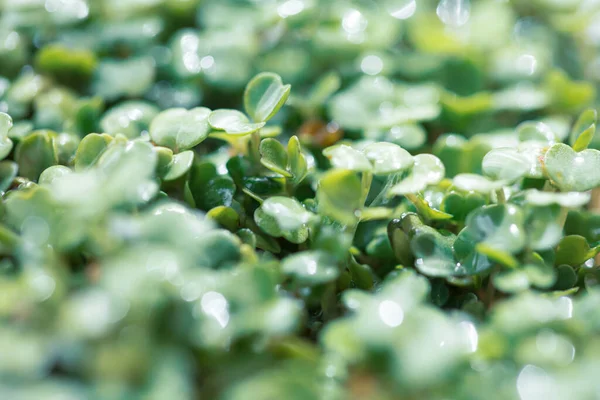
(327, 85)
(180, 129)
(287, 212)
(511, 281)
(339, 196)
(427, 170)
(52, 173)
(274, 156)
(345, 157)
(540, 274)
(566, 277)
(311, 267)
(179, 166)
(543, 227)
(388, 158)
(90, 149)
(426, 210)
(505, 164)
(164, 157)
(584, 130)
(218, 191)
(499, 227)
(225, 216)
(129, 118)
(477, 183)
(8, 173)
(233, 122)
(297, 164)
(572, 171)
(265, 94)
(574, 250)
(459, 205)
(35, 153)
(537, 131)
(66, 65)
(6, 144)
(567, 199)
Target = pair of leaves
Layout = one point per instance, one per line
(181, 129)
(290, 163)
(265, 94)
(378, 158)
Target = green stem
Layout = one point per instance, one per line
(562, 217)
(366, 180)
(548, 187)
(500, 196)
(254, 149)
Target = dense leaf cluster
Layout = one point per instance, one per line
(299, 199)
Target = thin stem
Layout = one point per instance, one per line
(500, 196)
(548, 187)
(562, 217)
(254, 150)
(366, 180)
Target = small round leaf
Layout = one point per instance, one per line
(388, 158)
(265, 94)
(180, 129)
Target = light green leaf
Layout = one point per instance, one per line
(35, 153)
(297, 164)
(511, 281)
(584, 130)
(52, 173)
(339, 196)
(567, 199)
(572, 171)
(311, 267)
(180, 165)
(265, 94)
(90, 149)
(233, 122)
(345, 157)
(477, 183)
(129, 118)
(274, 156)
(427, 170)
(388, 158)
(574, 250)
(537, 131)
(287, 212)
(505, 164)
(180, 129)
(6, 144)
(499, 228)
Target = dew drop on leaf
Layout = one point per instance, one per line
(454, 13)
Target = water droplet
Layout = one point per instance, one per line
(371, 65)
(471, 334)
(354, 22)
(527, 64)
(535, 383)
(207, 62)
(43, 285)
(391, 313)
(401, 9)
(290, 7)
(214, 304)
(454, 13)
